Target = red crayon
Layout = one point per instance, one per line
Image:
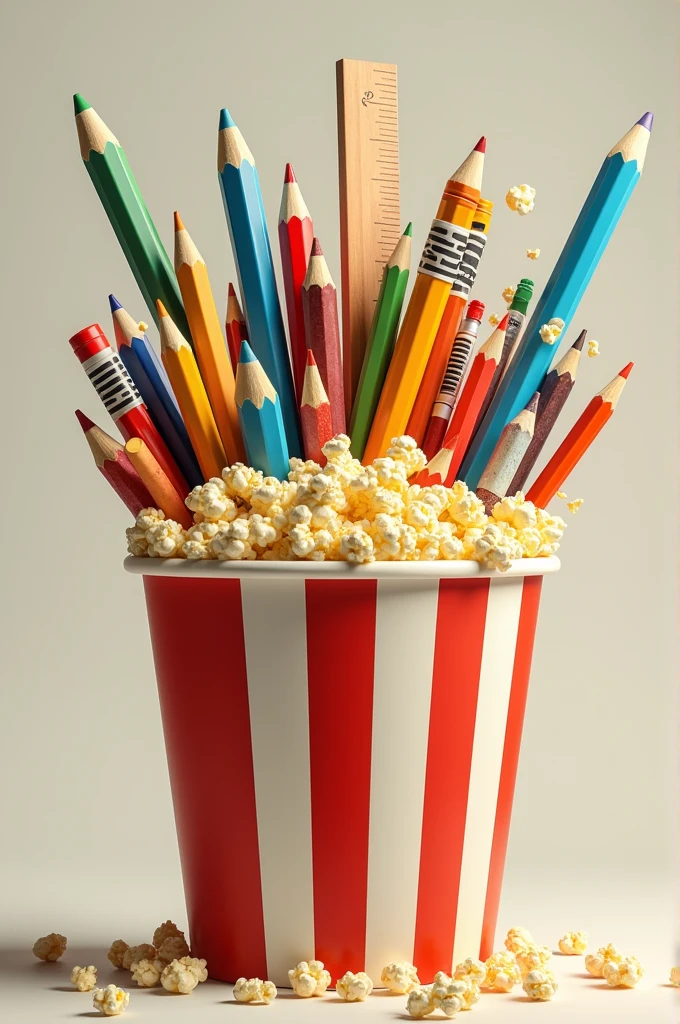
(112, 462)
(315, 412)
(296, 233)
(235, 327)
(320, 306)
(121, 399)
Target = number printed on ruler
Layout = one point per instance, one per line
(443, 250)
(469, 264)
(380, 102)
(112, 382)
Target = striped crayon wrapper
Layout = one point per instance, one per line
(434, 663)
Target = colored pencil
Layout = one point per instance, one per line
(148, 373)
(322, 330)
(586, 243)
(507, 456)
(235, 327)
(244, 210)
(455, 371)
(450, 322)
(261, 420)
(315, 412)
(119, 193)
(437, 271)
(555, 391)
(180, 362)
(209, 346)
(164, 495)
(121, 398)
(114, 465)
(380, 342)
(578, 440)
(518, 312)
(296, 233)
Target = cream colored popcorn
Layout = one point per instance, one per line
(356, 545)
(400, 976)
(520, 199)
(252, 990)
(155, 536)
(573, 943)
(147, 973)
(518, 940)
(502, 972)
(117, 952)
(241, 480)
(231, 542)
(84, 978)
(354, 988)
(508, 294)
(50, 947)
(211, 500)
(574, 505)
(516, 512)
(173, 948)
(183, 975)
(675, 976)
(133, 954)
(606, 954)
(533, 958)
(419, 1003)
(540, 985)
(198, 540)
(551, 331)
(110, 1001)
(625, 974)
(495, 319)
(451, 995)
(405, 450)
(561, 494)
(533, 254)
(497, 547)
(593, 349)
(470, 968)
(309, 978)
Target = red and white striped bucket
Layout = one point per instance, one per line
(343, 745)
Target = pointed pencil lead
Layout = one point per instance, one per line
(481, 145)
(504, 323)
(316, 249)
(160, 308)
(246, 354)
(178, 222)
(231, 290)
(647, 120)
(626, 370)
(409, 229)
(114, 304)
(580, 341)
(289, 176)
(226, 120)
(79, 103)
(85, 421)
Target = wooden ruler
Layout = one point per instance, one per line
(370, 226)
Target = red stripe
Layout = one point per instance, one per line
(340, 657)
(461, 617)
(202, 683)
(531, 594)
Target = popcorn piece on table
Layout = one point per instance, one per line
(533, 254)
(168, 929)
(502, 972)
(252, 990)
(551, 331)
(110, 1001)
(419, 1003)
(471, 968)
(573, 943)
(173, 948)
(117, 952)
(606, 954)
(593, 348)
(400, 976)
(534, 958)
(624, 974)
(574, 505)
(451, 995)
(354, 988)
(520, 199)
(675, 976)
(84, 978)
(494, 319)
(540, 985)
(147, 973)
(182, 976)
(508, 294)
(50, 947)
(133, 954)
(309, 978)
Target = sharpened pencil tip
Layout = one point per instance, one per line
(246, 355)
(226, 120)
(481, 145)
(160, 308)
(79, 103)
(289, 176)
(316, 249)
(231, 290)
(85, 421)
(532, 404)
(580, 341)
(647, 120)
(114, 304)
(409, 229)
(178, 222)
(504, 322)
(311, 361)
(626, 370)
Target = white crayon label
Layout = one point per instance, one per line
(469, 264)
(112, 382)
(443, 250)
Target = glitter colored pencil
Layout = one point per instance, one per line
(315, 412)
(322, 330)
(507, 455)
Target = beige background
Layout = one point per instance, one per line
(87, 836)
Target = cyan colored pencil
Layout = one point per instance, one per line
(252, 252)
(259, 412)
(586, 243)
(148, 373)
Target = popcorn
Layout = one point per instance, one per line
(533, 254)
(574, 505)
(252, 990)
(675, 976)
(495, 319)
(451, 995)
(110, 1001)
(573, 943)
(473, 969)
(133, 954)
(400, 977)
(117, 952)
(419, 1003)
(561, 494)
(155, 536)
(173, 948)
(551, 331)
(353, 988)
(518, 940)
(182, 976)
(534, 958)
(84, 978)
(520, 199)
(50, 947)
(624, 974)
(606, 954)
(147, 973)
(540, 985)
(165, 931)
(502, 972)
(508, 295)
(593, 349)
(309, 978)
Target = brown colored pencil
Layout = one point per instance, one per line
(113, 464)
(164, 495)
(320, 307)
(315, 412)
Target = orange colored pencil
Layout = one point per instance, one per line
(164, 495)
(113, 464)
(296, 234)
(578, 440)
(315, 412)
(235, 327)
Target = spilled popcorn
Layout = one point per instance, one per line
(518, 940)
(400, 977)
(574, 505)
(534, 958)
(84, 978)
(494, 319)
(593, 349)
(473, 969)
(147, 973)
(345, 512)
(508, 294)
(133, 954)
(309, 978)
(117, 952)
(354, 988)
(625, 974)
(551, 331)
(533, 254)
(595, 962)
(253, 990)
(110, 1001)
(502, 972)
(167, 930)
(675, 976)
(540, 985)
(520, 199)
(573, 943)
(50, 947)
(182, 976)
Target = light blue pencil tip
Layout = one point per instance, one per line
(647, 120)
(226, 120)
(114, 304)
(246, 355)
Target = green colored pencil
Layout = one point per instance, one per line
(380, 343)
(114, 181)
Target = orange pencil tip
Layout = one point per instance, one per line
(626, 370)
(481, 145)
(160, 308)
(178, 222)
(504, 322)
(85, 421)
(289, 175)
(311, 361)
(316, 248)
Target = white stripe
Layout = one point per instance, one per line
(276, 659)
(404, 654)
(498, 655)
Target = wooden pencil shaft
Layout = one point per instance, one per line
(164, 495)
(320, 307)
(549, 408)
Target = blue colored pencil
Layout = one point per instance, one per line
(572, 273)
(250, 241)
(148, 373)
(259, 413)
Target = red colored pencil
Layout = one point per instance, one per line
(322, 331)
(114, 465)
(235, 327)
(296, 233)
(315, 412)
(121, 398)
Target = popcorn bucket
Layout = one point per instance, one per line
(343, 745)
